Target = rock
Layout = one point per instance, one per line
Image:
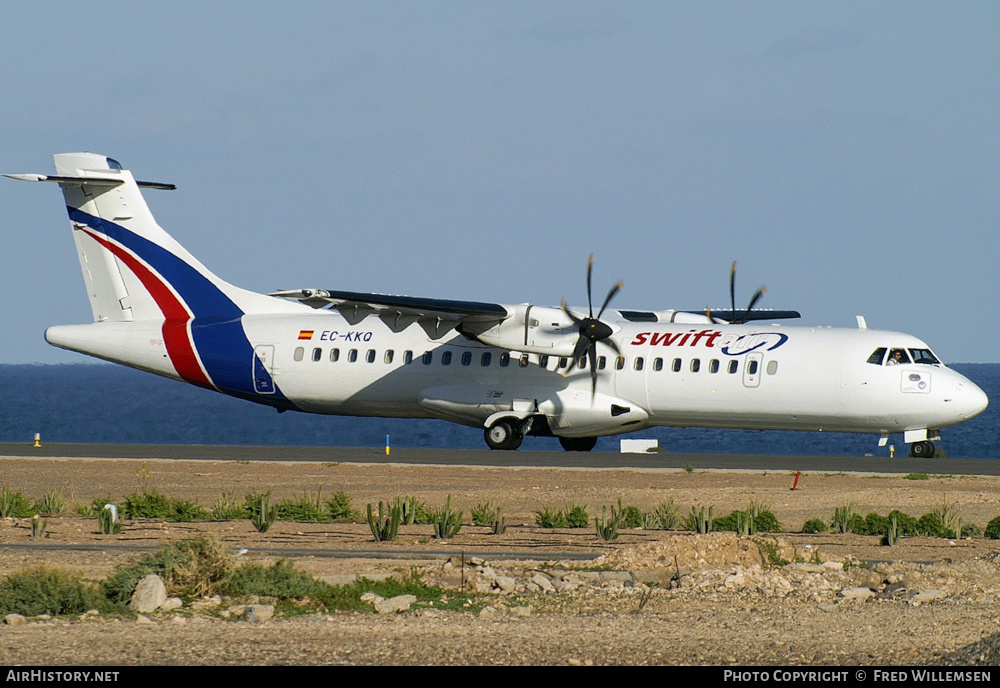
(394, 605)
(149, 594)
(856, 593)
(14, 619)
(171, 603)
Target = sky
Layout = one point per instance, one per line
(846, 154)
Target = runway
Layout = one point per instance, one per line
(505, 459)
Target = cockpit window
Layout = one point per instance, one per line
(877, 356)
(924, 356)
(897, 356)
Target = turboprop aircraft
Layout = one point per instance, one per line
(511, 370)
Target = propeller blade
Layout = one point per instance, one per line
(614, 290)
(732, 289)
(590, 269)
(756, 297)
(581, 347)
(572, 317)
(592, 356)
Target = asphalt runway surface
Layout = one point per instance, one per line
(506, 459)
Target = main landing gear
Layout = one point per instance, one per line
(504, 434)
(578, 444)
(922, 450)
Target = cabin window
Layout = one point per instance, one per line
(407, 357)
(428, 357)
(317, 354)
(602, 362)
(897, 356)
(713, 366)
(446, 358)
(370, 357)
(619, 363)
(582, 363)
(924, 356)
(299, 353)
(504, 359)
(734, 365)
(523, 361)
(334, 355)
(877, 356)
(772, 367)
(752, 367)
(388, 356)
(543, 361)
(695, 365)
(352, 355)
(466, 358)
(563, 362)
(657, 364)
(486, 359)
(639, 362)
(676, 365)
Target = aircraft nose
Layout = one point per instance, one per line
(970, 400)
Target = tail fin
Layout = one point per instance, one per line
(140, 280)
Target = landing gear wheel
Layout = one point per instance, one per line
(922, 450)
(504, 435)
(578, 444)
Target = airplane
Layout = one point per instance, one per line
(511, 370)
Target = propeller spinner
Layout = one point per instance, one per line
(591, 329)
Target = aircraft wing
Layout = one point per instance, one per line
(435, 316)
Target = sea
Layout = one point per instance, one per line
(104, 403)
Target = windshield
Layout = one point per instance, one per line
(924, 356)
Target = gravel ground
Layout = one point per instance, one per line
(929, 600)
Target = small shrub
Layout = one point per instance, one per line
(386, 526)
(447, 521)
(45, 590)
(281, 581)
(263, 514)
(932, 525)
(189, 568)
(846, 518)
(607, 529)
(305, 509)
(93, 509)
(815, 525)
(52, 503)
(229, 507)
(993, 529)
(891, 536)
(577, 516)
(13, 504)
(488, 514)
(629, 516)
(547, 518)
(917, 476)
(485, 513)
(907, 524)
(107, 523)
(667, 515)
(338, 507)
(698, 521)
(412, 510)
(148, 504)
(873, 524)
(38, 526)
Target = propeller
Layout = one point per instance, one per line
(735, 320)
(591, 329)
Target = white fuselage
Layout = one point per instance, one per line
(709, 375)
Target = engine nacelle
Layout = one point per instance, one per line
(532, 329)
(573, 413)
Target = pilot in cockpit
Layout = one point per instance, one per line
(896, 357)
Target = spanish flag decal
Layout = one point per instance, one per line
(306, 334)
